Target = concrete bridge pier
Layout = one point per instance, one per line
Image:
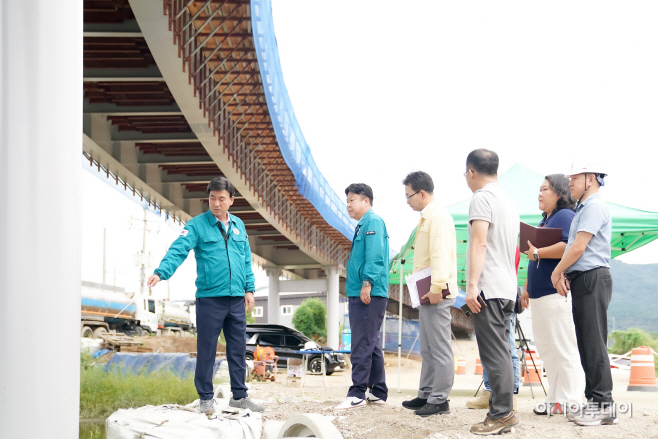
(40, 194)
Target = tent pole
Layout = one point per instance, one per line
(400, 323)
(384, 333)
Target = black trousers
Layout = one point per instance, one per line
(212, 315)
(367, 357)
(591, 292)
(492, 335)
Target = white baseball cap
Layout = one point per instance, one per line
(584, 167)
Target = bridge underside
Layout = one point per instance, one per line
(145, 122)
(173, 97)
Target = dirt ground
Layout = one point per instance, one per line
(172, 344)
(394, 421)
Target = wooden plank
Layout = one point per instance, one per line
(135, 349)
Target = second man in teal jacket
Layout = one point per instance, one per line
(367, 294)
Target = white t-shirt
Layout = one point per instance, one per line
(492, 204)
(226, 223)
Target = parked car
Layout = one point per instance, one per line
(286, 342)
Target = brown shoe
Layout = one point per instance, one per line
(481, 402)
(499, 426)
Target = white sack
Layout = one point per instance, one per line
(172, 421)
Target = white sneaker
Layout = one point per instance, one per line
(573, 414)
(373, 399)
(351, 402)
(595, 415)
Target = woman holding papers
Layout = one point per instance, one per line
(552, 320)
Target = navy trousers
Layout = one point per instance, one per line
(212, 315)
(367, 357)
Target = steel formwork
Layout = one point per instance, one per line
(216, 47)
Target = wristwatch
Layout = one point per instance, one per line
(536, 254)
(366, 283)
(250, 292)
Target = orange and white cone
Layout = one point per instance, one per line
(461, 366)
(532, 377)
(643, 372)
(478, 367)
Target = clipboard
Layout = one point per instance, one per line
(539, 236)
(419, 285)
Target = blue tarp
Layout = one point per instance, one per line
(295, 151)
(409, 330)
(409, 333)
(148, 363)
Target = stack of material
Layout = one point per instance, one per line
(122, 342)
(172, 421)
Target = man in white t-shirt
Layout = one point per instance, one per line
(493, 231)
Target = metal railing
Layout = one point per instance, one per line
(240, 138)
(151, 204)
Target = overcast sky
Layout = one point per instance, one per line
(384, 88)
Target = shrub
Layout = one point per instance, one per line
(624, 341)
(311, 319)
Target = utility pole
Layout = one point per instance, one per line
(143, 259)
(104, 254)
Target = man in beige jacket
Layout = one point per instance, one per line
(435, 247)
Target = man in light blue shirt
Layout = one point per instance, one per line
(585, 272)
(593, 217)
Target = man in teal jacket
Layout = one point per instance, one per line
(367, 293)
(225, 286)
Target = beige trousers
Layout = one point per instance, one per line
(555, 338)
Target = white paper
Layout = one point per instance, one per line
(411, 285)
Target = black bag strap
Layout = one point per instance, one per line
(221, 229)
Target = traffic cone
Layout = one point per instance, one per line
(461, 366)
(532, 377)
(643, 372)
(478, 367)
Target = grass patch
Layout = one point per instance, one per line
(102, 393)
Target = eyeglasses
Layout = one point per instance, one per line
(409, 196)
(467, 172)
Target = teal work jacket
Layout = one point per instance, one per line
(223, 267)
(368, 257)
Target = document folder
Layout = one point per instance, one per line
(419, 285)
(539, 236)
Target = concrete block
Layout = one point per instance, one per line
(309, 425)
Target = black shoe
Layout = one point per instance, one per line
(430, 409)
(414, 404)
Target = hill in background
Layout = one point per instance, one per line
(634, 301)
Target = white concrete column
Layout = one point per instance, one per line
(273, 311)
(332, 306)
(40, 183)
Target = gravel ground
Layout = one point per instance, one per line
(394, 421)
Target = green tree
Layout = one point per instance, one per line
(311, 319)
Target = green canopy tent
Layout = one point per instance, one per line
(631, 228)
